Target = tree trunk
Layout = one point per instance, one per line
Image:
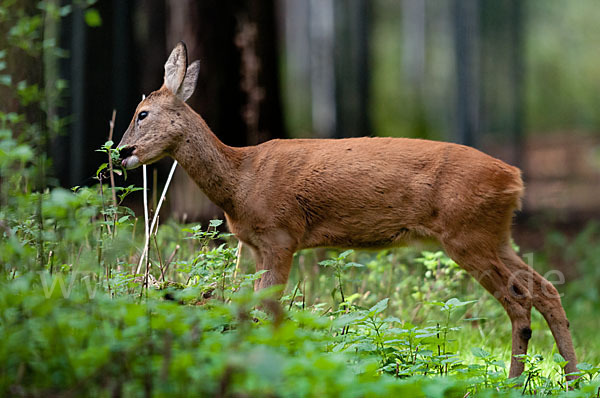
(351, 68)
(466, 29)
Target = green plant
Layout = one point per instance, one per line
(339, 265)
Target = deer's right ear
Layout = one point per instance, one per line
(175, 68)
(189, 82)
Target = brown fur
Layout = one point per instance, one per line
(287, 195)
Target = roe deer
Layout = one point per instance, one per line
(285, 195)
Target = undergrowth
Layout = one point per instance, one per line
(198, 328)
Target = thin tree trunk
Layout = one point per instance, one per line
(352, 20)
(322, 67)
(517, 80)
(466, 25)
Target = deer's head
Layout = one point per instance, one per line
(156, 126)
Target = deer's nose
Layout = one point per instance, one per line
(126, 151)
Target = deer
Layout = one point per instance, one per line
(285, 195)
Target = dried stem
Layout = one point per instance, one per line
(103, 206)
(146, 230)
(110, 165)
(294, 295)
(154, 220)
(238, 260)
(170, 260)
(160, 262)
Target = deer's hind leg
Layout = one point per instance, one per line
(546, 300)
(490, 271)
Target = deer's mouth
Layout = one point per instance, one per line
(130, 161)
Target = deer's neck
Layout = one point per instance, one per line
(212, 165)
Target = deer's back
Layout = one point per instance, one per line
(371, 192)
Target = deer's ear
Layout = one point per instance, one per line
(175, 67)
(189, 82)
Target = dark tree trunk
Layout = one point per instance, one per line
(502, 110)
(351, 68)
(414, 53)
(517, 81)
(150, 43)
(466, 29)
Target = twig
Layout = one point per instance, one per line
(154, 187)
(294, 295)
(146, 230)
(303, 295)
(51, 260)
(160, 262)
(325, 313)
(146, 233)
(110, 165)
(170, 260)
(162, 197)
(103, 208)
(111, 125)
(133, 240)
(238, 260)
(526, 383)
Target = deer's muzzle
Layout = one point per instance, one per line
(130, 161)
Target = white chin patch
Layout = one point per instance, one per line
(131, 162)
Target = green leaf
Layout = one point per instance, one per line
(391, 319)
(348, 319)
(65, 10)
(92, 18)
(353, 265)
(584, 366)
(479, 352)
(22, 152)
(379, 307)
(345, 254)
(455, 303)
(328, 263)
(559, 359)
(215, 223)
(6, 80)
(102, 167)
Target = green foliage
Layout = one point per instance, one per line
(92, 18)
(96, 344)
(339, 265)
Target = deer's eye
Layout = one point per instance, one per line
(142, 115)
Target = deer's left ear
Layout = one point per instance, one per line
(175, 68)
(189, 82)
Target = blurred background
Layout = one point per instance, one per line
(518, 79)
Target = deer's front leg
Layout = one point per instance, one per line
(274, 254)
(277, 261)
